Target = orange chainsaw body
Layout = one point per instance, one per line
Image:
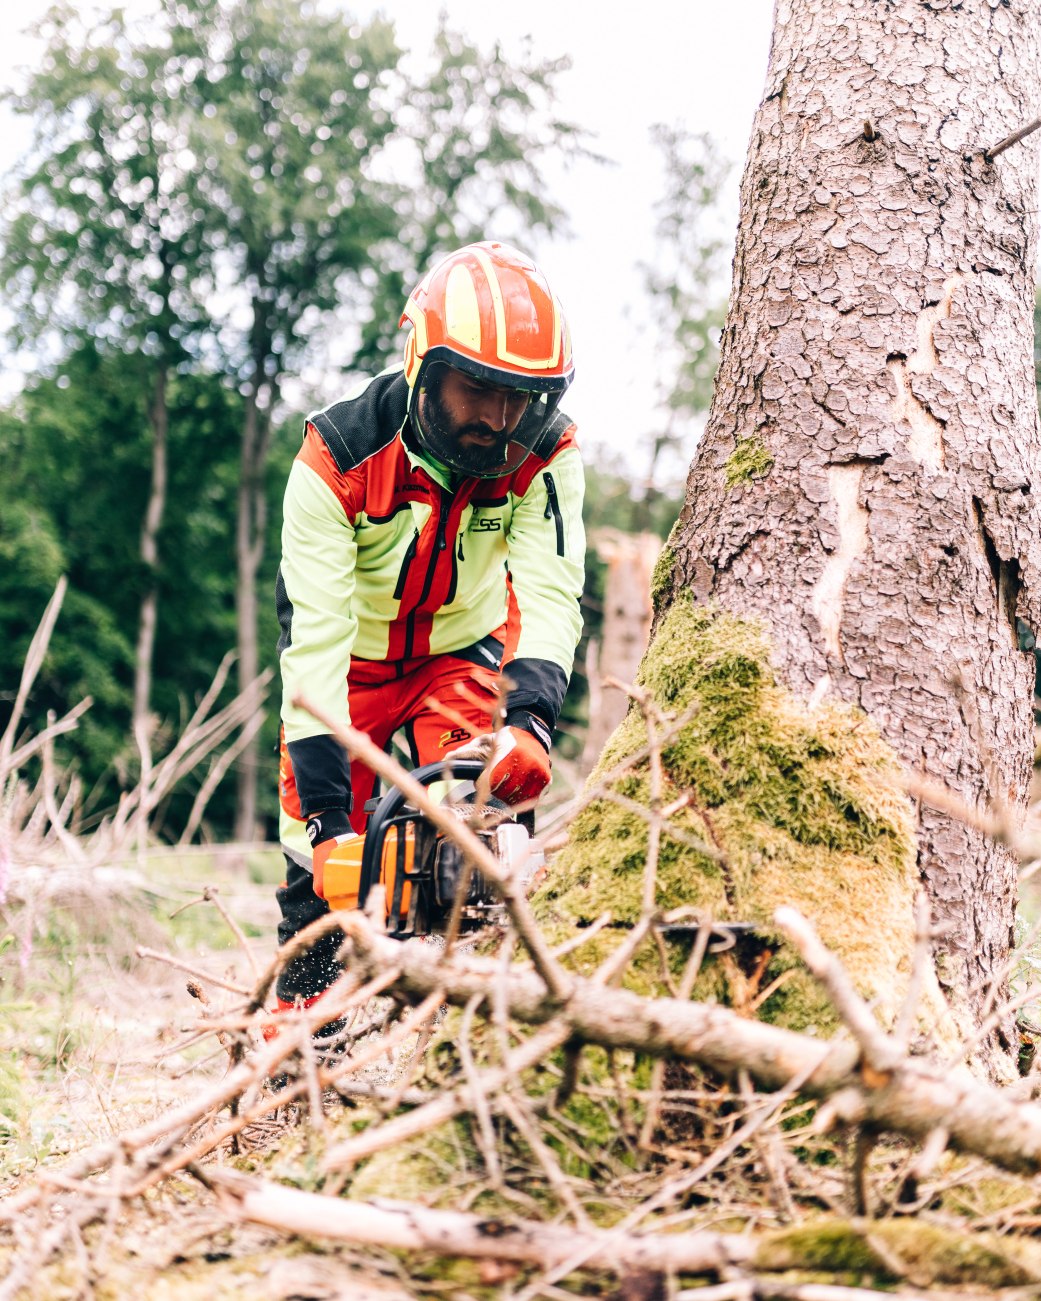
(342, 877)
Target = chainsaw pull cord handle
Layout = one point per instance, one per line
(393, 802)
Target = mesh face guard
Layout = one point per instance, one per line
(442, 437)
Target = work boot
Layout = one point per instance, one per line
(328, 1041)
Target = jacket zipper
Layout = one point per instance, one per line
(406, 565)
(553, 510)
(440, 543)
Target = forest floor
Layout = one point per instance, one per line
(95, 1041)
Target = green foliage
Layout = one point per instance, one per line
(685, 283)
(472, 135)
(89, 655)
(615, 501)
(210, 194)
(91, 209)
(283, 158)
(77, 455)
(288, 110)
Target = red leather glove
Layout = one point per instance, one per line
(517, 758)
(520, 768)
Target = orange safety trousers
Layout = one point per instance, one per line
(439, 701)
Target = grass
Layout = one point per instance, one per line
(84, 1021)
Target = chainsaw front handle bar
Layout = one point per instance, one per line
(391, 805)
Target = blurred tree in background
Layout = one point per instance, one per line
(102, 244)
(207, 198)
(77, 478)
(686, 284)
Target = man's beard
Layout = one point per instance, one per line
(444, 435)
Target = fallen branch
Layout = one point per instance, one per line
(453, 1233)
(911, 1096)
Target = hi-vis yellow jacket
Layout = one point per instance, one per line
(386, 556)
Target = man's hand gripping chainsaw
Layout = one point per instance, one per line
(419, 868)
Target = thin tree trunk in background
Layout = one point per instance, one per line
(629, 559)
(149, 552)
(250, 528)
(868, 484)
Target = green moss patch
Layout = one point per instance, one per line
(927, 1253)
(661, 579)
(797, 806)
(750, 459)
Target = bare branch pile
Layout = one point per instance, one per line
(499, 1115)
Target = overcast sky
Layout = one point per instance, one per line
(682, 62)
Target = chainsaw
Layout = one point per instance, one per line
(420, 869)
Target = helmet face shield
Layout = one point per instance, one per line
(477, 420)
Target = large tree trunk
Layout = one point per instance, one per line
(868, 484)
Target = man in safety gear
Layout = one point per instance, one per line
(432, 542)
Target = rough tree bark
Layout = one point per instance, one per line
(868, 483)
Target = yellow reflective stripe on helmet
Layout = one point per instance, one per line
(515, 359)
(462, 310)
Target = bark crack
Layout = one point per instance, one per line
(925, 440)
(828, 411)
(1005, 573)
(852, 519)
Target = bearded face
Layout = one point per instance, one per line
(467, 424)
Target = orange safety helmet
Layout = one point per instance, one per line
(487, 310)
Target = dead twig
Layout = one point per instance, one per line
(1014, 139)
(31, 666)
(168, 960)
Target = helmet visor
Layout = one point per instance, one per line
(482, 425)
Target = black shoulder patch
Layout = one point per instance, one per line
(551, 436)
(356, 428)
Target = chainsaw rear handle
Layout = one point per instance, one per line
(393, 802)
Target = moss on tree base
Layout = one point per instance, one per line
(800, 806)
(926, 1253)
